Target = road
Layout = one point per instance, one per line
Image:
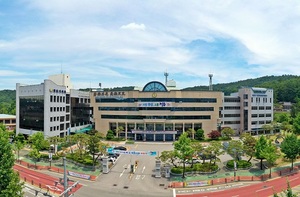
(263, 189)
(120, 182)
(46, 181)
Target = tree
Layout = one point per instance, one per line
(93, 146)
(199, 135)
(168, 156)
(191, 132)
(214, 134)
(216, 149)
(183, 150)
(38, 141)
(235, 149)
(118, 130)
(261, 144)
(81, 140)
(227, 132)
(10, 184)
(296, 124)
(267, 128)
(271, 155)
(18, 145)
(290, 146)
(35, 155)
(248, 145)
(295, 108)
(109, 135)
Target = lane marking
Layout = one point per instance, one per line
(143, 176)
(124, 165)
(122, 173)
(294, 179)
(33, 176)
(138, 177)
(263, 189)
(174, 193)
(143, 169)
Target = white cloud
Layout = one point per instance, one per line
(134, 26)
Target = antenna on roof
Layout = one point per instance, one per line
(210, 82)
(166, 74)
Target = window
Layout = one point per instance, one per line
(51, 98)
(245, 96)
(54, 98)
(154, 86)
(51, 109)
(254, 108)
(51, 119)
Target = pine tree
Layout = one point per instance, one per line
(10, 184)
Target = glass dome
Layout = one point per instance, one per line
(154, 86)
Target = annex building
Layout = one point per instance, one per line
(52, 107)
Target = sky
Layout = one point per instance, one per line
(130, 43)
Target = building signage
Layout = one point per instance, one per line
(110, 94)
(83, 176)
(154, 104)
(149, 153)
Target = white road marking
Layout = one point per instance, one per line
(143, 176)
(124, 165)
(294, 179)
(143, 169)
(263, 189)
(174, 193)
(122, 173)
(33, 176)
(138, 177)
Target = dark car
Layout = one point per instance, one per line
(120, 148)
(114, 155)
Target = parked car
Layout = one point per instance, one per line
(120, 148)
(114, 155)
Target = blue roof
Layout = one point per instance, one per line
(7, 116)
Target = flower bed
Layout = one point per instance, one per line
(198, 168)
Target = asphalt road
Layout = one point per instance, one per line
(263, 189)
(120, 182)
(46, 181)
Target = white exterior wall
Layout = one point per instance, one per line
(62, 80)
(226, 120)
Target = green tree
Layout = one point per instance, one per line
(168, 156)
(248, 145)
(18, 145)
(199, 135)
(271, 155)
(118, 130)
(296, 124)
(35, 155)
(109, 135)
(235, 149)
(267, 128)
(10, 184)
(290, 146)
(216, 149)
(261, 144)
(183, 150)
(93, 147)
(227, 132)
(38, 141)
(81, 140)
(295, 108)
(191, 133)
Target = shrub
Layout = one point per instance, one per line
(239, 164)
(214, 134)
(177, 170)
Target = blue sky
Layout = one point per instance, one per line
(129, 43)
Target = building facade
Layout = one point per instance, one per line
(155, 113)
(9, 121)
(50, 108)
(248, 109)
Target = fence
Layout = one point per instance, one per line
(218, 181)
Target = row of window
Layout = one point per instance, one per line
(232, 108)
(261, 108)
(59, 118)
(175, 100)
(261, 115)
(261, 122)
(57, 109)
(231, 122)
(136, 117)
(57, 99)
(156, 108)
(231, 115)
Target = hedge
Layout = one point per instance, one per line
(240, 164)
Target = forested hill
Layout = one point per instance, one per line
(8, 102)
(286, 87)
